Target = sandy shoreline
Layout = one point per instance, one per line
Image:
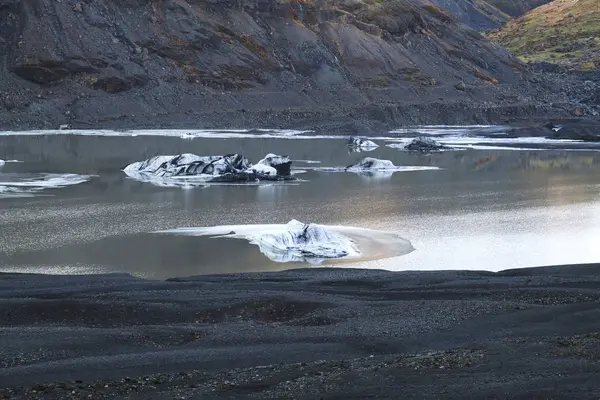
(303, 333)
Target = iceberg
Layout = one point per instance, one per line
(299, 242)
(362, 144)
(309, 243)
(188, 168)
(371, 164)
(424, 144)
(375, 168)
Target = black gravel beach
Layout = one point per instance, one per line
(308, 333)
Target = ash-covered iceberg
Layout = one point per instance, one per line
(425, 144)
(231, 168)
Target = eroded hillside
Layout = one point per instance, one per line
(566, 32)
(259, 61)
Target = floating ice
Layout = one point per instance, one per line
(29, 185)
(375, 168)
(371, 164)
(361, 143)
(188, 170)
(310, 243)
(425, 145)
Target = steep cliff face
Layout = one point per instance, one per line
(90, 62)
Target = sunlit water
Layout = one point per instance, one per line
(483, 209)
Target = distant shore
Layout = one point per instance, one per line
(309, 333)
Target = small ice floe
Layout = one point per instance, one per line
(309, 243)
(358, 144)
(29, 185)
(307, 161)
(375, 168)
(190, 169)
(2, 162)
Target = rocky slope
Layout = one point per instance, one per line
(477, 14)
(240, 63)
(516, 8)
(483, 15)
(566, 32)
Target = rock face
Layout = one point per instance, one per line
(424, 144)
(299, 242)
(229, 168)
(208, 63)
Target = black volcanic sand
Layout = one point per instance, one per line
(311, 333)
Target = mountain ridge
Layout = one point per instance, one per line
(565, 32)
(208, 63)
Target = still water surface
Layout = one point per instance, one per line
(485, 209)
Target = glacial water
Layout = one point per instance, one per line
(491, 203)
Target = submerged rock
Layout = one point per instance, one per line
(424, 144)
(361, 143)
(299, 242)
(229, 168)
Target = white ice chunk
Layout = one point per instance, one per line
(312, 243)
(263, 169)
(362, 143)
(372, 164)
